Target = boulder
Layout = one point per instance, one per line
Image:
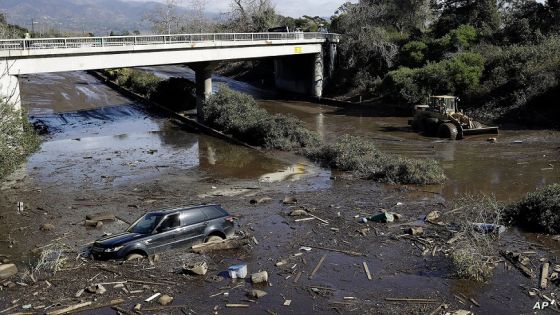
(7, 271)
(165, 300)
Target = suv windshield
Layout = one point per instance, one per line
(146, 224)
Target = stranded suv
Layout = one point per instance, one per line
(163, 230)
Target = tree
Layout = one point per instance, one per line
(197, 21)
(166, 19)
(252, 15)
(482, 14)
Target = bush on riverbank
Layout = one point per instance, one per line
(18, 139)
(361, 157)
(239, 115)
(538, 211)
(174, 93)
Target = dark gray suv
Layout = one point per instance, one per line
(163, 230)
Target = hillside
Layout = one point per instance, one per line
(99, 17)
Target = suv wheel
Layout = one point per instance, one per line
(134, 256)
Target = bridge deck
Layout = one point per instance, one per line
(47, 46)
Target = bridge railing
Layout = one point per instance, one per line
(116, 41)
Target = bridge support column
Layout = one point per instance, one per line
(203, 71)
(318, 76)
(9, 90)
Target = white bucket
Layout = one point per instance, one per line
(238, 271)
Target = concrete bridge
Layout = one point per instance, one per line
(202, 52)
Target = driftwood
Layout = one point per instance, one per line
(511, 258)
(223, 245)
(317, 267)
(347, 252)
(70, 308)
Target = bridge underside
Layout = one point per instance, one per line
(203, 60)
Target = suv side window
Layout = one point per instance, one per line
(171, 222)
(213, 212)
(192, 217)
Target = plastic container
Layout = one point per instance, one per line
(238, 271)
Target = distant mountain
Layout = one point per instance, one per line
(97, 16)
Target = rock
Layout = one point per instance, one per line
(533, 292)
(415, 231)
(385, 217)
(432, 217)
(259, 277)
(103, 216)
(298, 213)
(256, 293)
(165, 300)
(261, 200)
(47, 227)
(7, 270)
(556, 268)
(96, 289)
(461, 312)
(289, 200)
(99, 225)
(397, 216)
(138, 307)
(200, 268)
(492, 140)
(8, 284)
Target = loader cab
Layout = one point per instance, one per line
(443, 104)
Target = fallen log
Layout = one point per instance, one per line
(223, 245)
(347, 252)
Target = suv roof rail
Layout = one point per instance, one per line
(184, 208)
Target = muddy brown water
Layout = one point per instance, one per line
(519, 162)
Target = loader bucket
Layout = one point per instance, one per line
(479, 131)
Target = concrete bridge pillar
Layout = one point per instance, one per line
(318, 76)
(9, 90)
(203, 74)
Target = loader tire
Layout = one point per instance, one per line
(431, 126)
(447, 131)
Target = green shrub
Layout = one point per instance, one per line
(239, 115)
(538, 211)
(413, 54)
(143, 83)
(457, 75)
(18, 139)
(363, 159)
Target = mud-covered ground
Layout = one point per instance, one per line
(127, 160)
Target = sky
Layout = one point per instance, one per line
(294, 8)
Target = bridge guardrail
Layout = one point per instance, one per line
(116, 41)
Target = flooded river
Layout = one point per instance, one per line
(519, 162)
(97, 133)
(108, 153)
